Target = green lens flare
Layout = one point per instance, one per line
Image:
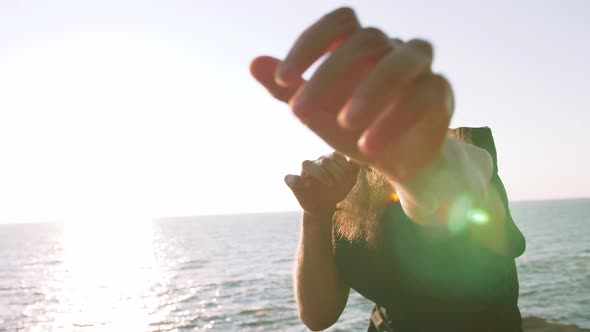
(463, 212)
(478, 216)
(458, 212)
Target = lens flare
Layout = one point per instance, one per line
(463, 212)
(458, 212)
(478, 216)
(394, 197)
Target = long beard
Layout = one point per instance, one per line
(358, 215)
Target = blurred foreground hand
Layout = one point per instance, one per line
(374, 99)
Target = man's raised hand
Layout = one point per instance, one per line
(374, 99)
(323, 183)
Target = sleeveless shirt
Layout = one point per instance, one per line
(422, 281)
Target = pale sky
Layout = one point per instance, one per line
(146, 108)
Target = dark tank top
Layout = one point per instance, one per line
(436, 280)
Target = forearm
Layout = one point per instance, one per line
(462, 169)
(455, 190)
(321, 295)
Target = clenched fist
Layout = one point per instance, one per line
(374, 98)
(323, 183)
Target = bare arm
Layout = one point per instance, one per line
(458, 186)
(321, 295)
(378, 101)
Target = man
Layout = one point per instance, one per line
(376, 100)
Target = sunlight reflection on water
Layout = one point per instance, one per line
(107, 276)
(200, 274)
(231, 273)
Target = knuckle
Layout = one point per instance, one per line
(437, 82)
(343, 18)
(442, 89)
(306, 164)
(421, 47)
(338, 159)
(396, 42)
(343, 15)
(325, 161)
(414, 60)
(372, 38)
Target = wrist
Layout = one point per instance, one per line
(325, 213)
(463, 170)
(318, 220)
(423, 196)
(420, 196)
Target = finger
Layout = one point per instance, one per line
(385, 86)
(324, 125)
(263, 68)
(338, 77)
(311, 170)
(324, 35)
(395, 42)
(340, 159)
(350, 168)
(337, 172)
(298, 184)
(426, 111)
(293, 181)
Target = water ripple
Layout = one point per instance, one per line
(234, 274)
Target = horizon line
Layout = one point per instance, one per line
(205, 215)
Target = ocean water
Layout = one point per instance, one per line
(233, 273)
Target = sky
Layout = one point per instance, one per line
(146, 109)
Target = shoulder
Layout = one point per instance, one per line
(474, 135)
(481, 137)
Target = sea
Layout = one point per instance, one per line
(233, 273)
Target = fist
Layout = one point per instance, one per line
(323, 183)
(374, 98)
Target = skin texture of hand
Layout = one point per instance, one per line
(374, 99)
(323, 183)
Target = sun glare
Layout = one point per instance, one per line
(110, 112)
(110, 270)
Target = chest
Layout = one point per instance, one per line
(410, 264)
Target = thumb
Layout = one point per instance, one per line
(263, 70)
(295, 182)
